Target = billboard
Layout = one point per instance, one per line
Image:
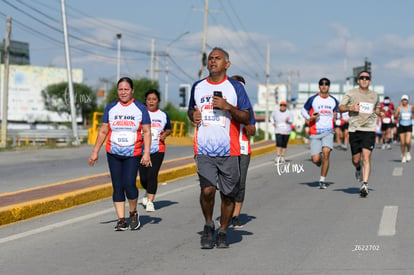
(25, 101)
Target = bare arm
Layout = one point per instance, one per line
(100, 139)
(250, 130)
(397, 112)
(194, 116)
(146, 158)
(344, 109)
(241, 116)
(165, 134)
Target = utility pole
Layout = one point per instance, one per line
(152, 59)
(118, 59)
(267, 92)
(204, 41)
(69, 72)
(290, 74)
(3, 141)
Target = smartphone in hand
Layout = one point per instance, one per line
(218, 93)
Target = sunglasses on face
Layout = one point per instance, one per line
(282, 105)
(324, 83)
(364, 77)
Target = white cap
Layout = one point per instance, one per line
(404, 97)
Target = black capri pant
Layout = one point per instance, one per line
(149, 175)
(282, 140)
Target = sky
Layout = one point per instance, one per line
(306, 39)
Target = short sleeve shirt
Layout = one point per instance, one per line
(125, 125)
(366, 119)
(160, 122)
(326, 107)
(218, 133)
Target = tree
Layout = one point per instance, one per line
(141, 86)
(56, 99)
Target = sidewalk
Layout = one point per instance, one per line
(24, 204)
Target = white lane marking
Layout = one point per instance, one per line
(388, 221)
(53, 226)
(78, 219)
(397, 171)
(108, 210)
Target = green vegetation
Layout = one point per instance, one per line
(56, 99)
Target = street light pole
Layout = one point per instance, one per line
(118, 68)
(167, 55)
(69, 72)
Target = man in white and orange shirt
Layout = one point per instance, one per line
(320, 109)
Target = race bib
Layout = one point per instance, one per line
(405, 116)
(366, 108)
(155, 134)
(338, 122)
(124, 138)
(244, 147)
(213, 117)
(386, 120)
(283, 126)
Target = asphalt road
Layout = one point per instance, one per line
(290, 227)
(25, 169)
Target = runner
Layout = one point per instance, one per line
(363, 107)
(404, 113)
(387, 122)
(320, 109)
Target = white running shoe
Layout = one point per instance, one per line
(384, 146)
(277, 160)
(282, 159)
(149, 207)
(144, 201)
(404, 159)
(408, 156)
(389, 146)
(363, 190)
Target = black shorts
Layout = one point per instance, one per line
(344, 126)
(387, 126)
(282, 140)
(359, 140)
(405, 129)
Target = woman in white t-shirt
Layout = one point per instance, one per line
(282, 120)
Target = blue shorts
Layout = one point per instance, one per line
(320, 140)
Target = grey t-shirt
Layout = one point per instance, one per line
(366, 119)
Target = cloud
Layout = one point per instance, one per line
(402, 65)
(340, 30)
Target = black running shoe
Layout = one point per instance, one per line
(207, 241)
(134, 220)
(236, 223)
(121, 225)
(221, 240)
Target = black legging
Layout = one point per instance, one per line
(149, 175)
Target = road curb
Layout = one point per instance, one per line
(30, 209)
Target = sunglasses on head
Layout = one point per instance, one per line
(364, 77)
(324, 83)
